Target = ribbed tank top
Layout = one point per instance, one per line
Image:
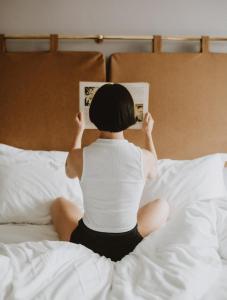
(112, 182)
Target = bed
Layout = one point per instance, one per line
(187, 258)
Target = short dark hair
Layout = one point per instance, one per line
(112, 108)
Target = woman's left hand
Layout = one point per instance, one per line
(80, 124)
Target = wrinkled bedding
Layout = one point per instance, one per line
(186, 259)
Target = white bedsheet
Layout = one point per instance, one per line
(185, 260)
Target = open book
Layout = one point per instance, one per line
(138, 90)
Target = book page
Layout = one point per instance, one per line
(138, 90)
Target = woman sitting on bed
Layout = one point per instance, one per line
(112, 174)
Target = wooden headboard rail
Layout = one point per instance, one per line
(100, 37)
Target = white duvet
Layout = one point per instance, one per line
(183, 260)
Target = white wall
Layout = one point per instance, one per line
(126, 17)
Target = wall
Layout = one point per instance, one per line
(126, 17)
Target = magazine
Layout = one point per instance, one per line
(138, 90)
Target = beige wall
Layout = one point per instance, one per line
(167, 17)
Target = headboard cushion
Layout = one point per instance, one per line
(188, 99)
(39, 96)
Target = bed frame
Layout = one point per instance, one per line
(188, 96)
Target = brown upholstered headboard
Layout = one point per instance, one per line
(39, 96)
(188, 99)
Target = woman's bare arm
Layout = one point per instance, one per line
(150, 145)
(150, 156)
(73, 165)
(148, 125)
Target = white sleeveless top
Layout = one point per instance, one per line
(112, 182)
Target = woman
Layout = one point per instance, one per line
(112, 174)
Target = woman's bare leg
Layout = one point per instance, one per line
(65, 216)
(152, 215)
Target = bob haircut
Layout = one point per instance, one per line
(112, 108)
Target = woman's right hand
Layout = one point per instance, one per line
(148, 123)
(80, 123)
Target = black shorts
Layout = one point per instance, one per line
(112, 245)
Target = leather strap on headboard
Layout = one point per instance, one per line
(204, 44)
(2, 43)
(157, 44)
(53, 42)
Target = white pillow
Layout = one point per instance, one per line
(180, 181)
(30, 181)
(9, 153)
